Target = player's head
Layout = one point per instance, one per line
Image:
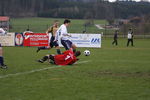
(77, 53)
(56, 23)
(67, 22)
(28, 29)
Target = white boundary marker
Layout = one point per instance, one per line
(36, 70)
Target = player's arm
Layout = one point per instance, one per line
(64, 32)
(49, 30)
(57, 35)
(67, 35)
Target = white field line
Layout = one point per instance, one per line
(36, 70)
(81, 62)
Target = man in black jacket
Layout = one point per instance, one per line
(115, 38)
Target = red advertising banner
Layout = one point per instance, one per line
(36, 39)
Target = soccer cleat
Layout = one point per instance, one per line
(3, 67)
(41, 61)
(38, 49)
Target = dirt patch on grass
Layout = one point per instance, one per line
(126, 48)
(56, 78)
(113, 74)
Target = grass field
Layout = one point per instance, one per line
(109, 73)
(41, 25)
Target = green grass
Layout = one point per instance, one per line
(41, 25)
(112, 73)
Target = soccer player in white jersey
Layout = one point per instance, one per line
(2, 65)
(63, 35)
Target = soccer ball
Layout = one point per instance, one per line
(86, 52)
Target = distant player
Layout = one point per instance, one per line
(2, 65)
(63, 36)
(52, 30)
(115, 38)
(66, 58)
(130, 37)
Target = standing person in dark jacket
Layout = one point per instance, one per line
(115, 38)
(130, 37)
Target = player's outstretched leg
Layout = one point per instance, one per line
(42, 48)
(44, 59)
(58, 50)
(2, 65)
(57, 47)
(74, 47)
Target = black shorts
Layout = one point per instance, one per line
(53, 43)
(67, 44)
(0, 45)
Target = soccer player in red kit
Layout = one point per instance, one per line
(67, 58)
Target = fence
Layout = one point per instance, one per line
(106, 32)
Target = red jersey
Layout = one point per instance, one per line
(67, 58)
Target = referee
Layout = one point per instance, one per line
(130, 37)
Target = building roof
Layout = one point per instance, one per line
(4, 18)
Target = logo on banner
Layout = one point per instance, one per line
(95, 41)
(26, 37)
(84, 37)
(19, 39)
(36, 39)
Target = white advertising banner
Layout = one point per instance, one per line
(7, 39)
(86, 40)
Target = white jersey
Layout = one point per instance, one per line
(61, 33)
(129, 36)
(2, 32)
